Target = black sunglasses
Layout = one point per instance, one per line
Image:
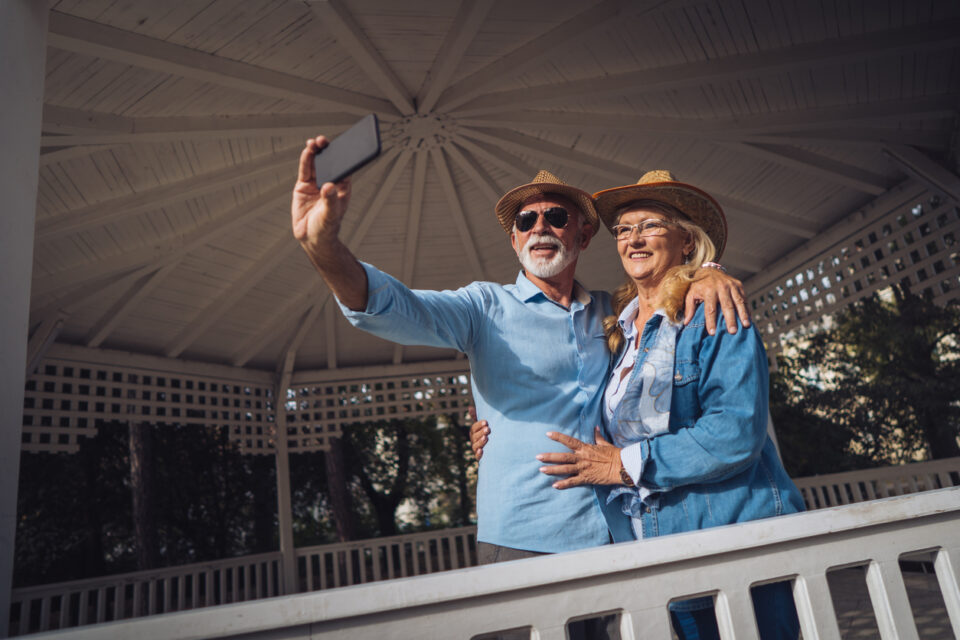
(556, 216)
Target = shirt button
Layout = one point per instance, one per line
(646, 509)
(646, 349)
(678, 377)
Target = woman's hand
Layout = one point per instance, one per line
(478, 434)
(586, 464)
(712, 287)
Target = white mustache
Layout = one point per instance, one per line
(542, 238)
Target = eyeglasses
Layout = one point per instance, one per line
(556, 216)
(645, 228)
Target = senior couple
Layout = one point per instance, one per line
(683, 445)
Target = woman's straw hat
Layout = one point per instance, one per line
(544, 182)
(661, 186)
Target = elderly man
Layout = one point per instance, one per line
(537, 354)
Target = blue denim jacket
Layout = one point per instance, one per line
(716, 465)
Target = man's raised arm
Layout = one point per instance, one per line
(316, 216)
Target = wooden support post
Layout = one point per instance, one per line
(23, 48)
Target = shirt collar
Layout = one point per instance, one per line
(629, 315)
(527, 290)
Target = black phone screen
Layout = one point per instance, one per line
(349, 151)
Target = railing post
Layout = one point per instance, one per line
(288, 554)
(888, 594)
(23, 50)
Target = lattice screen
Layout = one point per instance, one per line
(65, 400)
(316, 411)
(915, 244)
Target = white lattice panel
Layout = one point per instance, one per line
(66, 400)
(914, 244)
(319, 410)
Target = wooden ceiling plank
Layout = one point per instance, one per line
(827, 168)
(756, 214)
(54, 155)
(171, 249)
(456, 213)
(102, 41)
(466, 24)
(66, 120)
(278, 250)
(89, 292)
(164, 129)
(97, 214)
(129, 301)
(338, 21)
(414, 212)
(941, 35)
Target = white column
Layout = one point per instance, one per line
(23, 34)
(288, 553)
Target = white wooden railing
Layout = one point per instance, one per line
(848, 487)
(91, 601)
(635, 580)
(349, 563)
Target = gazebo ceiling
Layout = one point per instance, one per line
(172, 130)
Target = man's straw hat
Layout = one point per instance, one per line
(661, 186)
(544, 182)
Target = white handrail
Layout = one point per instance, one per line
(635, 579)
(96, 600)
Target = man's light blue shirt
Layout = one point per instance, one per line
(536, 366)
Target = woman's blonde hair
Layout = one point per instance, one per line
(673, 288)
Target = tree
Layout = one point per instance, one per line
(879, 386)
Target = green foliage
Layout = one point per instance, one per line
(74, 510)
(879, 387)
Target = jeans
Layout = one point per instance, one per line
(775, 610)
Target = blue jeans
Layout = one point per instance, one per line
(774, 607)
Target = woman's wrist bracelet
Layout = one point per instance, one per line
(714, 265)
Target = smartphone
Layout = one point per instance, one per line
(349, 151)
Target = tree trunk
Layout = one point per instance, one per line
(941, 438)
(141, 485)
(337, 486)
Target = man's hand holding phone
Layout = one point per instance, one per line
(317, 211)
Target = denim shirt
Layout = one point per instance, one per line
(536, 366)
(716, 465)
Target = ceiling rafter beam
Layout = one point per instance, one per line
(55, 155)
(304, 324)
(470, 17)
(42, 337)
(555, 153)
(457, 214)
(86, 292)
(730, 68)
(755, 214)
(127, 303)
(268, 331)
(413, 231)
(472, 168)
(511, 164)
(535, 51)
(340, 24)
(279, 249)
(90, 216)
(814, 163)
(164, 129)
(737, 127)
(87, 37)
(852, 137)
(926, 170)
(622, 174)
(330, 334)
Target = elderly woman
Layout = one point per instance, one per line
(686, 410)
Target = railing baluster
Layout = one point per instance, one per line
(45, 613)
(735, 616)
(101, 605)
(891, 606)
(82, 607)
(64, 620)
(26, 611)
(119, 601)
(947, 567)
(818, 619)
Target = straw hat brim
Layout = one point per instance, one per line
(696, 204)
(509, 205)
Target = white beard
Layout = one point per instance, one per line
(547, 267)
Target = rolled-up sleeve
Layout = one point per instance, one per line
(394, 312)
(730, 432)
